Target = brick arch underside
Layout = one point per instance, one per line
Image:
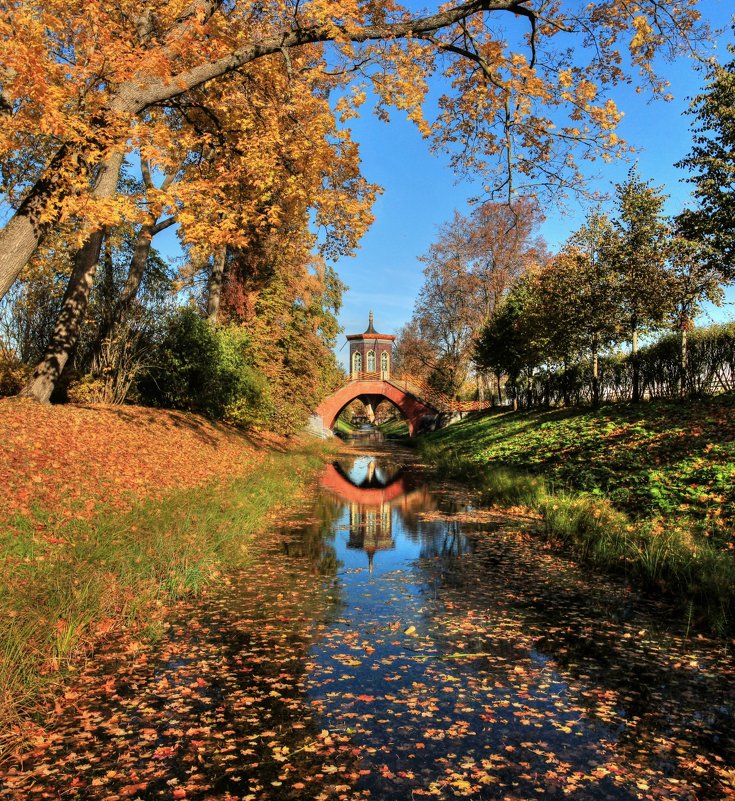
(411, 408)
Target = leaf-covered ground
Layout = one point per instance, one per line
(72, 461)
(670, 458)
(428, 652)
(108, 514)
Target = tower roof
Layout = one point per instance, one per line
(370, 332)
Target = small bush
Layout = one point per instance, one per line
(13, 374)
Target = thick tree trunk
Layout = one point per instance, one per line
(214, 285)
(68, 323)
(30, 225)
(76, 299)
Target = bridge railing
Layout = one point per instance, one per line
(374, 376)
(421, 390)
(433, 397)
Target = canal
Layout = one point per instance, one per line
(394, 640)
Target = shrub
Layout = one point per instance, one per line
(13, 374)
(201, 368)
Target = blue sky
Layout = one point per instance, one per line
(420, 191)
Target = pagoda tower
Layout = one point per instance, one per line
(371, 353)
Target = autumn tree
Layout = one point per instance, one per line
(223, 191)
(468, 270)
(83, 84)
(712, 164)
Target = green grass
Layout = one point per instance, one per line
(648, 489)
(394, 429)
(60, 590)
(341, 426)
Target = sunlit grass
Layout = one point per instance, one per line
(668, 554)
(62, 588)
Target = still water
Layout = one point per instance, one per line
(395, 641)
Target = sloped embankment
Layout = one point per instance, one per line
(647, 489)
(108, 514)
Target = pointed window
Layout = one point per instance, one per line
(371, 361)
(356, 362)
(384, 361)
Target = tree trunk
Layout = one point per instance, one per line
(68, 323)
(636, 368)
(595, 375)
(30, 225)
(214, 285)
(684, 363)
(136, 270)
(76, 299)
(500, 390)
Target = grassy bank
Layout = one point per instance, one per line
(66, 581)
(394, 429)
(648, 490)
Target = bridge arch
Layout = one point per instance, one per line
(411, 407)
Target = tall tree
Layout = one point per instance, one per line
(693, 277)
(511, 343)
(468, 270)
(223, 191)
(712, 164)
(592, 289)
(640, 255)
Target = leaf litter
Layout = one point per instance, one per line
(432, 650)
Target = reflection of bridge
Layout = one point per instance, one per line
(371, 502)
(335, 480)
(414, 399)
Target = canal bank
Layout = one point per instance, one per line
(87, 552)
(395, 639)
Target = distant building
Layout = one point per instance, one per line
(370, 352)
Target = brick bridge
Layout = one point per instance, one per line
(415, 400)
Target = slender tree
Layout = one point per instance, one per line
(640, 255)
(694, 277)
(593, 291)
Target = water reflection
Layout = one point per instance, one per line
(385, 506)
(393, 643)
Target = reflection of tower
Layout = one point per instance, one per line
(371, 529)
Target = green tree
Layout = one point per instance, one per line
(512, 343)
(693, 277)
(592, 289)
(712, 164)
(640, 252)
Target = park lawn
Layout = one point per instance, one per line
(110, 514)
(667, 459)
(646, 490)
